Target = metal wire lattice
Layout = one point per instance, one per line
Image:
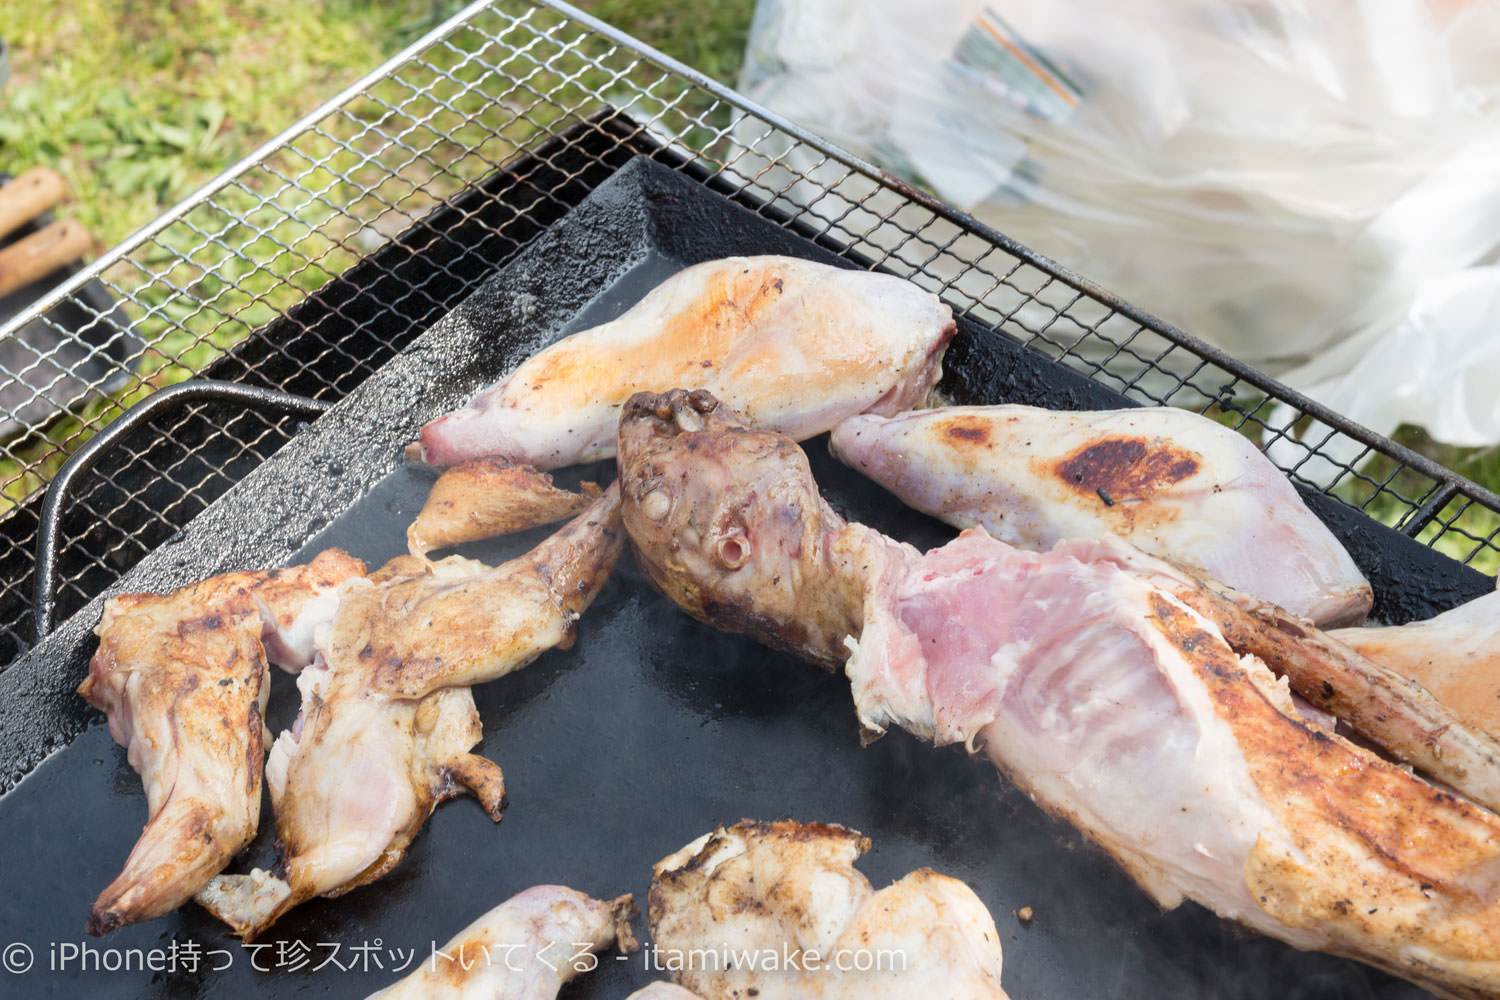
(433, 170)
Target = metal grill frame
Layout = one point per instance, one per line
(206, 283)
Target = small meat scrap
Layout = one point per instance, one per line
(488, 497)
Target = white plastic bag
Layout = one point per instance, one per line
(1292, 180)
(1438, 368)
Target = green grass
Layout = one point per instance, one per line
(138, 103)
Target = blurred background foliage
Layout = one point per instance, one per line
(139, 102)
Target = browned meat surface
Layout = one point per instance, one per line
(487, 497)
(730, 907)
(388, 719)
(1166, 480)
(795, 344)
(1455, 655)
(182, 679)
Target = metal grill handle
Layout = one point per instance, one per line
(193, 390)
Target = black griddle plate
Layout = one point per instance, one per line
(645, 734)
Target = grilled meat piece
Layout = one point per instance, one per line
(732, 899)
(729, 524)
(524, 949)
(1086, 674)
(1391, 710)
(1172, 483)
(387, 716)
(488, 497)
(1455, 655)
(182, 679)
(793, 345)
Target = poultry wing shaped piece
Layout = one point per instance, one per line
(388, 719)
(182, 679)
(1172, 483)
(775, 910)
(526, 948)
(794, 345)
(1086, 674)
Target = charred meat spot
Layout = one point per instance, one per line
(1126, 467)
(967, 429)
(1328, 691)
(193, 626)
(1182, 631)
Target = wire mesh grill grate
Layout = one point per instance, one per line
(308, 266)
